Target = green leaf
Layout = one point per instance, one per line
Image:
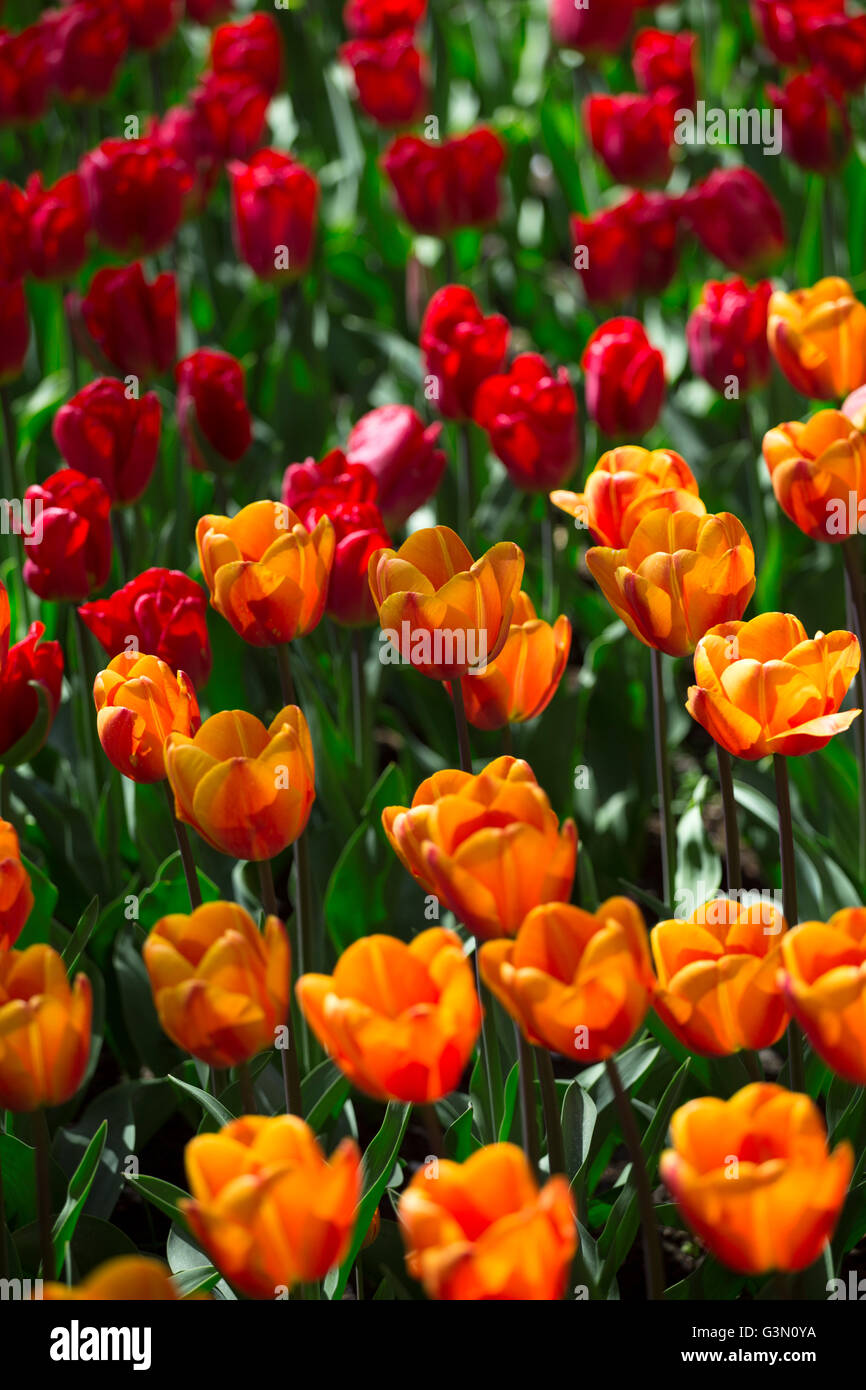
(161, 1194)
(512, 1083)
(77, 1193)
(209, 1104)
(579, 1115)
(77, 943)
(379, 1161)
(323, 1094)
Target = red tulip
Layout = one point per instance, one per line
(136, 192)
(374, 19)
(208, 11)
(390, 77)
(442, 186)
(727, 334)
(107, 434)
(627, 249)
(816, 132)
(234, 110)
(151, 22)
(14, 232)
(72, 556)
(127, 323)
(633, 135)
(251, 48)
(30, 682)
(783, 23)
(25, 74)
(530, 414)
(837, 43)
(736, 217)
(346, 493)
(88, 41)
(664, 65)
(187, 134)
(59, 224)
(592, 28)
(214, 419)
(14, 330)
(275, 205)
(625, 378)
(164, 613)
(392, 443)
(461, 348)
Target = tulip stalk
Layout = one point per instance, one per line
(289, 1056)
(359, 707)
(550, 1107)
(4, 1262)
(303, 879)
(248, 1095)
(729, 809)
(42, 1150)
(10, 446)
(857, 607)
(526, 1065)
(653, 1265)
(463, 743)
(663, 775)
(186, 858)
(789, 901)
(464, 483)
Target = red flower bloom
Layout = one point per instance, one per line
(14, 232)
(72, 556)
(627, 249)
(346, 493)
(59, 225)
(443, 186)
(816, 132)
(234, 110)
(275, 204)
(625, 378)
(151, 22)
(838, 44)
(186, 132)
(390, 77)
(14, 330)
(208, 11)
(633, 135)
(736, 218)
(212, 412)
(664, 65)
(374, 19)
(461, 348)
(25, 74)
(136, 191)
(29, 663)
(783, 23)
(592, 28)
(252, 48)
(393, 445)
(727, 334)
(127, 323)
(88, 41)
(165, 613)
(530, 414)
(106, 434)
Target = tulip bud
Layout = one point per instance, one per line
(88, 42)
(627, 249)
(391, 78)
(250, 48)
(625, 378)
(530, 415)
(818, 469)
(445, 185)
(136, 192)
(16, 895)
(727, 336)
(624, 487)
(736, 218)
(107, 434)
(44, 1030)
(818, 338)
(633, 135)
(461, 348)
(816, 132)
(151, 22)
(275, 209)
(664, 65)
(392, 443)
(14, 331)
(214, 418)
(72, 554)
(25, 72)
(116, 298)
(162, 612)
(591, 28)
(139, 702)
(15, 224)
(59, 225)
(374, 19)
(824, 985)
(523, 679)
(30, 685)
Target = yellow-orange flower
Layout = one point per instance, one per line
(819, 473)
(443, 612)
(818, 338)
(490, 847)
(246, 789)
(625, 486)
(765, 687)
(16, 895)
(753, 1177)
(482, 1230)
(824, 984)
(400, 1021)
(717, 976)
(267, 574)
(679, 575)
(525, 676)
(267, 1206)
(220, 986)
(127, 1279)
(44, 1029)
(139, 702)
(577, 982)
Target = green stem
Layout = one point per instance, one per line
(464, 482)
(526, 1072)
(752, 1063)
(489, 1046)
(550, 1106)
(462, 726)
(4, 1262)
(10, 444)
(288, 1054)
(87, 721)
(360, 711)
(857, 606)
(42, 1151)
(287, 684)
(729, 807)
(248, 1098)
(653, 1266)
(186, 857)
(663, 775)
(548, 598)
(789, 902)
(435, 1137)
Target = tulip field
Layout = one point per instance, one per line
(432, 752)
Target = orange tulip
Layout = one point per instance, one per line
(126, 1279)
(753, 1177)
(764, 687)
(625, 486)
(246, 789)
(482, 1231)
(819, 474)
(525, 676)
(267, 574)
(577, 982)
(824, 984)
(220, 986)
(16, 895)
(267, 1206)
(818, 338)
(400, 1021)
(490, 847)
(139, 702)
(44, 1029)
(444, 613)
(679, 574)
(717, 989)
